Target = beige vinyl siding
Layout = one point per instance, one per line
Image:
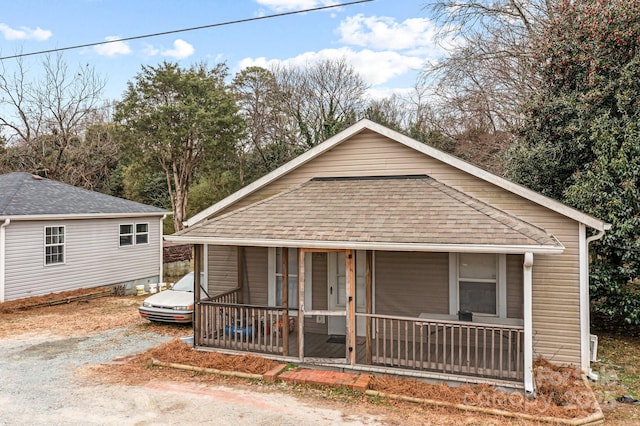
(409, 283)
(93, 256)
(556, 322)
(256, 279)
(515, 286)
(222, 269)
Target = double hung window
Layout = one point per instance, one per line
(54, 245)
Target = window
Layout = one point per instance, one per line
(478, 284)
(126, 235)
(293, 277)
(142, 233)
(53, 245)
(275, 279)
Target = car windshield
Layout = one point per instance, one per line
(186, 283)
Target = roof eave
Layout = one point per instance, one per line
(35, 217)
(370, 245)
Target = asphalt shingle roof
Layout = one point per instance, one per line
(22, 194)
(410, 210)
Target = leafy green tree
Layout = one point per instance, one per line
(581, 142)
(184, 121)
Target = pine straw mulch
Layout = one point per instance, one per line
(51, 299)
(177, 352)
(561, 393)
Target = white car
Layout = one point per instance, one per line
(173, 305)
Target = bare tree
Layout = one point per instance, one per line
(490, 71)
(324, 98)
(45, 121)
(270, 138)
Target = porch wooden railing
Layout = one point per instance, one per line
(240, 327)
(452, 347)
(231, 296)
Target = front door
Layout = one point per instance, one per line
(337, 284)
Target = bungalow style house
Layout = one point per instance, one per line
(55, 237)
(375, 252)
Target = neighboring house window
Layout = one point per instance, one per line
(54, 245)
(478, 284)
(142, 233)
(126, 235)
(275, 279)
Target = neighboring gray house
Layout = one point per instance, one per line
(55, 237)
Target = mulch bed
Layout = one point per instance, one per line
(561, 393)
(177, 352)
(51, 299)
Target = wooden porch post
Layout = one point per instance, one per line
(301, 307)
(369, 302)
(197, 266)
(351, 308)
(285, 301)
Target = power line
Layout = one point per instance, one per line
(220, 24)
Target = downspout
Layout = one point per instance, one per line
(2, 257)
(585, 301)
(529, 386)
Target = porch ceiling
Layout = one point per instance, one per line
(399, 213)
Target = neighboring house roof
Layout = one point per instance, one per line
(451, 160)
(398, 212)
(25, 196)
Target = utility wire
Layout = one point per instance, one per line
(220, 24)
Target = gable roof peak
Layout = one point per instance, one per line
(451, 160)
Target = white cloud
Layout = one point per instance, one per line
(181, 49)
(375, 68)
(24, 33)
(150, 50)
(115, 47)
(288, 5)
(416, 35)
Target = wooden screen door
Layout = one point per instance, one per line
(339, 312)
(337, 283)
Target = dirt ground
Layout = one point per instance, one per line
(80, 318)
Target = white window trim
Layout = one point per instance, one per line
(271, 280)
(501, 281)
(136, 233)
(64, 245)
(133, 234)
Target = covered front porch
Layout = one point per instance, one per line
(363, 328)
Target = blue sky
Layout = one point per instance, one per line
(386, 41)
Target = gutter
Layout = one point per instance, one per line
(2, 257)
(85, 216)
(373, 245)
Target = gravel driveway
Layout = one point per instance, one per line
(40, 385)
